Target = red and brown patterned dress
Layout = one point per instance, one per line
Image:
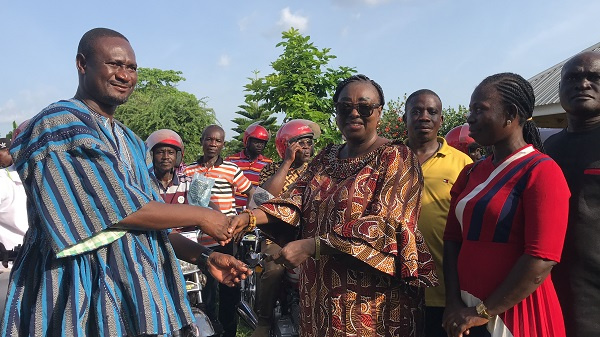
(366, 208)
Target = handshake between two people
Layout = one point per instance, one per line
(293, 253)
(226, 268)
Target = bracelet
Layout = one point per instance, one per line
(252, 222)
(202, 260)
(317, 248)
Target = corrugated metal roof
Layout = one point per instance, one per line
(545, 84)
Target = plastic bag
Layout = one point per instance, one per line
(200, 190)
(259, 197)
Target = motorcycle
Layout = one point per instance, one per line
(194, 281)
(249, 253)
(286, 313)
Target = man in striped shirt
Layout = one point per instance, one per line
(251, 160)
(228, 178)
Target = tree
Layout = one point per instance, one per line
(302, 85)
(158, 104)
(10, 133)
(253, 110)
(453, 118)
(392, 126)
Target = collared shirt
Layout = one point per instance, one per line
(228, 177)
(439, 174)
(251, 169)
(13, 208)
(177, 190)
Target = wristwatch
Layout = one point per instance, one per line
(202, 261)
(482, 311)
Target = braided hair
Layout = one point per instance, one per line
(358, 78)
(514, 89)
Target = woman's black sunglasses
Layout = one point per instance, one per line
(364, 109)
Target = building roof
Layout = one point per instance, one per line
(545, 84)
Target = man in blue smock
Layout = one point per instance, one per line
(98, 258)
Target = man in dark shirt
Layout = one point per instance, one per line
(577, 152)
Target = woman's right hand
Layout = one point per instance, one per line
(215, 224)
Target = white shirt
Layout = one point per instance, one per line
(13, 208)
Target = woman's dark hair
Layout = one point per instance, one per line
(358, 78)
(514, 89)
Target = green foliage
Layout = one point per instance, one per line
(158, 104)
(453, 118)
(302, 85)
(392, 126)
(10, 133)
(253, 110)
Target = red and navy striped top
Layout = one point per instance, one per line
(500, 213)
(251, 169)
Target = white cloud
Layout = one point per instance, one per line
(224, 60)
(288, 20)
(244, 22)
(352, 3)
(374, 2)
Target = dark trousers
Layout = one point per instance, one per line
(227, 298)
(433, 322)
(269, 286)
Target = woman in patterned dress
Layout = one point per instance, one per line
(507, 222)
(349, 222)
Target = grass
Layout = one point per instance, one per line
(243, 330)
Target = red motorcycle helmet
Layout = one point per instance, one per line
(255, 130)
(459, 138)
(292, 130)
(167, 137)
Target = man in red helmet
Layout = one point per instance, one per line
(251, 160)
(166, 148)
(295, 145)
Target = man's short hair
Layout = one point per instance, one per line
(473, 146)
(213, 127)
(86, 44)
(422, 92)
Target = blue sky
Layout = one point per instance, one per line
(404, 45)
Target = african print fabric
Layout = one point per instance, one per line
(498, 214)
(290, 178)
(366, 208)
(81, 177)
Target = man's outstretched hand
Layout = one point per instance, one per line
(227, 269)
